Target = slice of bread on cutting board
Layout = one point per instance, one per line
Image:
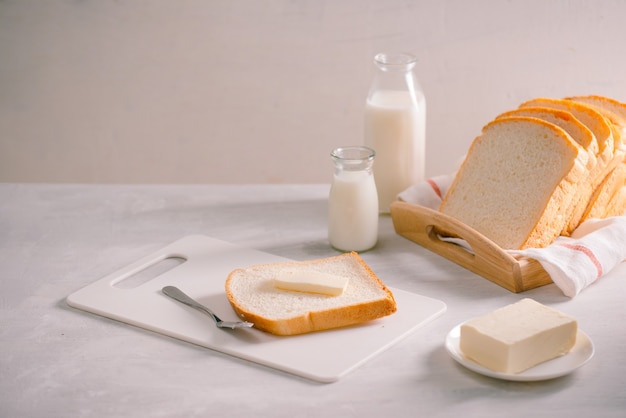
(255, 298)
(517, 183)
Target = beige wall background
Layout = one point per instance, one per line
(253, 91)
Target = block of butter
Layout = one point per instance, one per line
(311, 282)
(518, 336)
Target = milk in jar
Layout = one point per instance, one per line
(395, 127)
(353, 200)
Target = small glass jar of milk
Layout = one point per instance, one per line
(395, 126)
(353, 200)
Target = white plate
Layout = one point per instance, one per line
(580, 354)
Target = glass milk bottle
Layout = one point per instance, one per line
(395, 126)
(353, 200)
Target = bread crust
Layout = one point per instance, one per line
(612, 109)
(314, 320)
(595, 121)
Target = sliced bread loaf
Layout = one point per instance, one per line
(517, 182)
(253, 296)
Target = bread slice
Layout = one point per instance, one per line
(517, 182)
(605, 194)
(593, 119)
(617, 204)
(564, 119)
(613, 110)
(584, 137)
(254, 297)
(607, 137)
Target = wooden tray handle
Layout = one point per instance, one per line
(426, 226)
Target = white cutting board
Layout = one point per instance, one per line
(322, 356)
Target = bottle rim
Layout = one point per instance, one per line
(395, 59)
(354, 153)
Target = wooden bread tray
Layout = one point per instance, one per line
(426, 226)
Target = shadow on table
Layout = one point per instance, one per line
(460, 383)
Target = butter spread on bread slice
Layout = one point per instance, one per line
(310, 281)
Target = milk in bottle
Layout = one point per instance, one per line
(353, 201)
(395, 126)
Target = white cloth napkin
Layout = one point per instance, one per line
(573, 263)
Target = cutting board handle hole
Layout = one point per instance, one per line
(149, 272)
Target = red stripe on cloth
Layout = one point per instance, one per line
(588, 253)
(435, 187)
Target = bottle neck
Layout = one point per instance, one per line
(353, 158)
(390, 62)
(395, 73)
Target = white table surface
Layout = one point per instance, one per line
(56, 361)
